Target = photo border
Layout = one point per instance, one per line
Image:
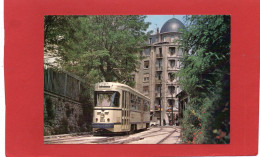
(23, 62)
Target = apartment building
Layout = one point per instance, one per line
(156, 75)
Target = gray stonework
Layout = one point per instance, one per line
(163, 54)
(64, 111)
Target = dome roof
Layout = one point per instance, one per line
(172, 25)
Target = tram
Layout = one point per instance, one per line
(119, 108)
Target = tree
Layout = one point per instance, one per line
(97, 47)
(205, 76)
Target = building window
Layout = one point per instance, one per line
(146, 90)
(146, 77)
(172, 50)
(180, 65)
(150, 40)
(171, 102)
(180, 51)
(146, 64)
(156, 103)
(172, 63)
(158, 63)
(158, 75)
(171, 76)
(172, 38)
(133, 77)
(164, 39)
(171, 89)
(160, 53)
(147, 52)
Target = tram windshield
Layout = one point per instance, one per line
(107, 99)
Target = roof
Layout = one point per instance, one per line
(119, 85)
(172, 25)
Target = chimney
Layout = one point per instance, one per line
(157, 30)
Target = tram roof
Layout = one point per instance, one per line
(120, 85)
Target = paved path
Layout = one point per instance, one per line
(154, 135)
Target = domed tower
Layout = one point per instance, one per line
(172, 25)
(156, 76)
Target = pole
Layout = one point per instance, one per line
(160, 105)
(172, 104)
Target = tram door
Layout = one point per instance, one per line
(125, 111)
(142, 112)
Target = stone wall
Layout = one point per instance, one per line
(65, 108)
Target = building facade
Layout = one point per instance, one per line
(156, 76)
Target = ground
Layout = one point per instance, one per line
(153, 135)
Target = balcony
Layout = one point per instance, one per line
(158, 81)
(172, 68)
(159, 68)
(157, 94)
(159, 56)
(169, 94)
(146, 92)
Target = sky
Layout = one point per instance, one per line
(159, 20)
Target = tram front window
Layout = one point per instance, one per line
(107, 99)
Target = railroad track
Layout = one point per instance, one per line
(62, 139)
(161, 141)
(90, 139)
(146, 134)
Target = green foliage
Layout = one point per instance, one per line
(63, 128)
(205, 76)
(49, 112)
(97, 47)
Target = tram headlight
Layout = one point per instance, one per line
(108, 120)
(96, 119)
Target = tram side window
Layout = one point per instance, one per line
(115, 102)
(138, 103)
(146, 105)
(133, 102)
(123, 99)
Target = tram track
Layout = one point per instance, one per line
(63, 139)
(134, 138)
(162, 140)
(125, 139)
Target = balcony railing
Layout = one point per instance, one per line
(173, 81)
(169, 94)
(159, 56)
(160, 68)
(158, 81)
(157, 94)
(171, 67)
(146, 93)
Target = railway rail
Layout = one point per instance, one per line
(155, 135)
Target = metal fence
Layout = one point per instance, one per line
(62, 83)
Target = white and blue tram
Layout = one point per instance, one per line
(119, 108)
